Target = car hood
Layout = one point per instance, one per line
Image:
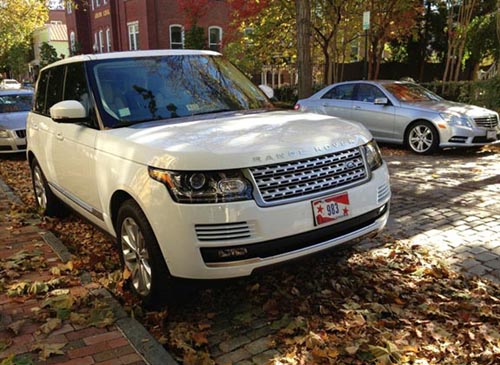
(234, 140)
(13, 121)
(445, 106)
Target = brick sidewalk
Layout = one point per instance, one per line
(21, 322)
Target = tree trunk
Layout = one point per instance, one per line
(304, 66)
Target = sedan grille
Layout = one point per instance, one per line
(289, 181)
(21, 133)
(487, 122)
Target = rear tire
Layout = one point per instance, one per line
(141, 255)
(422, 138)
(47, 203)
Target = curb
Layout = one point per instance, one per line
(140, 339)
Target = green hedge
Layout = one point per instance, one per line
(482, 93)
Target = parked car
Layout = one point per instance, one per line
(406, 113)
(9, 84)
(181, 158)
(14, 108)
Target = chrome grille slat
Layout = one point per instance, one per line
(222, 232)
(21, 133)
(284, 181)
(487, 122)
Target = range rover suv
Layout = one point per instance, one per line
(182, 159)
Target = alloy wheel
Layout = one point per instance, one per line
(136, 256)
(39, 186)
(421, 138)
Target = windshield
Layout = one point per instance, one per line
(15, 103)
(135, 90)
(411, 92)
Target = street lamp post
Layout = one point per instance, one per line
(366, 26)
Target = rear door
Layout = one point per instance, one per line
(338, 101)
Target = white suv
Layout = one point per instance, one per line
(184, 161)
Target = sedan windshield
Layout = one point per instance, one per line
(135, 90)
(411, 92)
(15, 103)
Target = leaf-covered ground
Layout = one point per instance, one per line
(395, 304)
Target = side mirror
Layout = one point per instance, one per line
(381, 101)
(69, 111)
(267, 90)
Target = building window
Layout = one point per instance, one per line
(97, 3)
(214, 38)
(108, 39)
(133, 36)
(55, 22)
(69, 7)
(72, 42)
(93, 4)
(96, 44)
(176, 37)
(101, 42)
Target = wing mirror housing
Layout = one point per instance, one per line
(69, 111)
(267, 90)
(381, 101)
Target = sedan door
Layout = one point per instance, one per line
(378, 118)
(338, 101)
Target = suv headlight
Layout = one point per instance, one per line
(4, 133)
(204, 186)
(372, 155)
(457, 120)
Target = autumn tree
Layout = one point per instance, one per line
(304, 65)
(193, 10)
(18, 19)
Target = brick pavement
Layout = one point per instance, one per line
(123, 342)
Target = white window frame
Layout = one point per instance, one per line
(72, 42)
(69, 6)
(93, 4)
(97, 3)
(133, 35)
(101, 41)
(108, 40)
(182, 35)
(217, 45)
(96, 45)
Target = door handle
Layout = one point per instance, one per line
(357, 107)
(59, 136)
(325, 104)
(34, 126)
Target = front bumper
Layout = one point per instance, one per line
(469, 137)
(215, 241)
(13, 143)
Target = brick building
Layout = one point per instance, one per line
(100, 26)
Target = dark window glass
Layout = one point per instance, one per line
(15, 103)
(176, 37)
(55, 88)
(341, 92)
(41, 90)
(368, 93)
(76, 84)
(411, 92)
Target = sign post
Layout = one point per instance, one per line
(366, 27)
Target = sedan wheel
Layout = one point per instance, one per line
(422, 138)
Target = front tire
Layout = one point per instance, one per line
(47, 203)
(422, 138)
(141, 255)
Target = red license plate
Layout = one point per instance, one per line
(331, 208)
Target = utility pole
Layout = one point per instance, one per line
(366, 27)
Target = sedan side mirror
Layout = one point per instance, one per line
(69, 111)
(267, 90)
(381, 101)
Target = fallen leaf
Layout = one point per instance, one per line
(16, 326)
(46, 350)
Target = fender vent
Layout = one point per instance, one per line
(223, 232)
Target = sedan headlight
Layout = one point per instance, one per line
(204, 186)
(4, 133)
(457, 120)
(372, 155)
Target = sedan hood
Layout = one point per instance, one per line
(445, 106)
(235, 140)
(13, 121)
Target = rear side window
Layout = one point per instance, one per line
(55, 87)
(341, 92)
(41, 92)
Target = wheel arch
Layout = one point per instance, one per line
(117, 199)
(412, 123)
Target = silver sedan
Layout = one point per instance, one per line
(406, 113)
(14, 108)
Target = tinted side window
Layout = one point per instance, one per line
(341, 92)
(76, 84)
(55, 88)
(41, 90)
(368, 93)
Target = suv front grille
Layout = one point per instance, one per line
(487, 122)
(288, 181)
